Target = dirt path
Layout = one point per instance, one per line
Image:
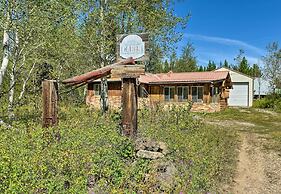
(258, 170)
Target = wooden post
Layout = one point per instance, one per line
(129, 106)
(50, 103)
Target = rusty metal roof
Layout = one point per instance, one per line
(184, 77)
(96, 74)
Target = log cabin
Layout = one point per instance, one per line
(207, 91)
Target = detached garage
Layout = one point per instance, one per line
(242, 92)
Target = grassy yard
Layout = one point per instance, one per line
(87, 148)
(260, 121)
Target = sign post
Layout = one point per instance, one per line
(136, 46)
(129, 106)
(50, 103)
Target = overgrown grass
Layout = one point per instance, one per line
(87, 149)
(205, 155)
(265, 122)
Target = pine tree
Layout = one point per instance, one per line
(200, 68)
(225, 64)
(173, 61)
(242, 64)
(166, 67)
(244, 67)
(255, 71)
(211, 66)
(187, 61)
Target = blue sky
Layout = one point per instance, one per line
(219, 28)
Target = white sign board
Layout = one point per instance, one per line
(132, 46)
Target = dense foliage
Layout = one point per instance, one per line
(87, 149)
(63, 38)
(272, 101)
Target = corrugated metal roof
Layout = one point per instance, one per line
(185, 77)
(229, 70)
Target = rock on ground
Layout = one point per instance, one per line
(149, 154)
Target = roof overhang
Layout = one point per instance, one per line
(182, 82)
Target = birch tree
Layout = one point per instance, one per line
(34, 28)
(272, 67)
(5, 46)
(104, 88)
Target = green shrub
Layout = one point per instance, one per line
(272, 101)
(86, 149)
(61, 159)
(263, 103)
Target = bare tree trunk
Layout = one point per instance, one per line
(5, 59)
(25, 82)
(12, 78)
(104, 88)
(11, 92)
(6, 46)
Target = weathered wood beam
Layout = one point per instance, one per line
(131, 70)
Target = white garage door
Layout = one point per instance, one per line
(238, 96)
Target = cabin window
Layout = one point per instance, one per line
(142, 92)
(97, 89)
(169, 93)
(197, 93)
(182, 92)
(215, 94)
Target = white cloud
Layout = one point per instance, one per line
(225, 41)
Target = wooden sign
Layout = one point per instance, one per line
(133, 45)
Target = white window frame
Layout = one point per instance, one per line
(196, 98)
(170, 88)
(182, 99)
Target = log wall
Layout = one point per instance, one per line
(156, 96)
